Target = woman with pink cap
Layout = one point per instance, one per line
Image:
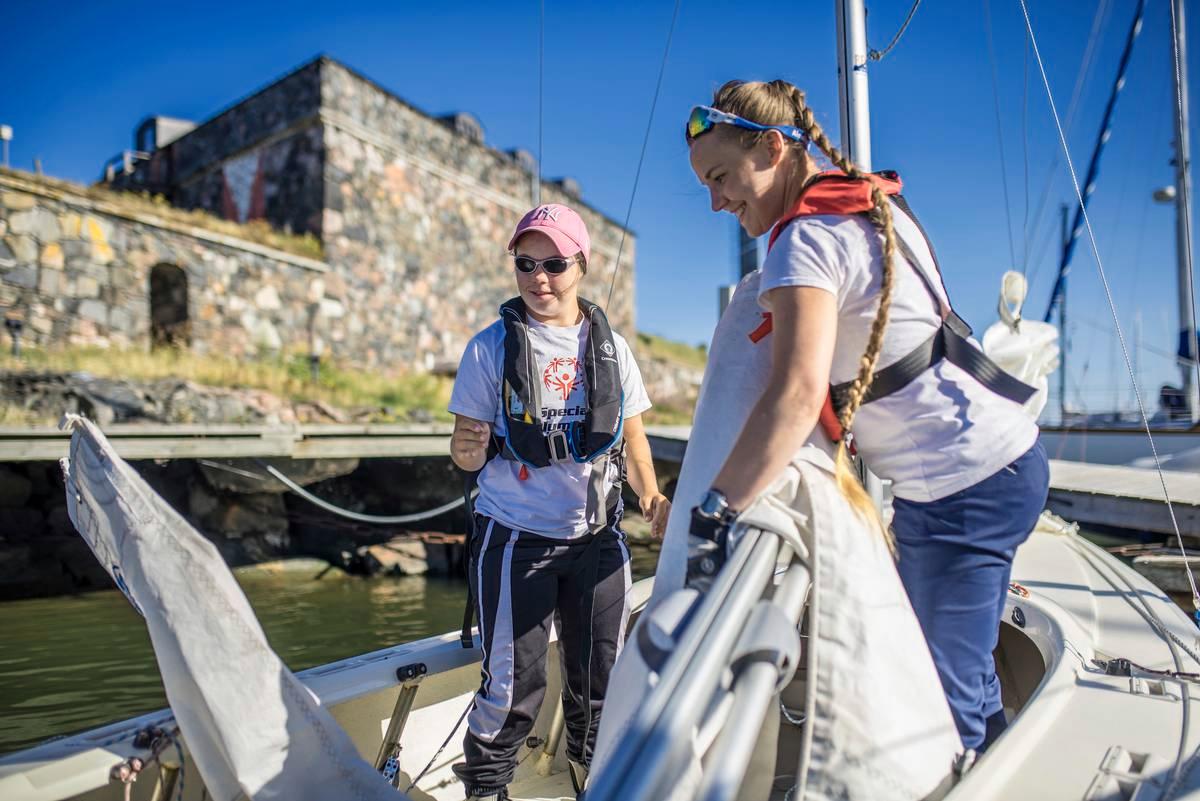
(547, 406)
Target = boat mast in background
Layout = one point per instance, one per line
(854, 105)
(1183, 197)
(853, 98)
(1058, 293)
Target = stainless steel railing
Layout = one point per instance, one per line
(741, 639)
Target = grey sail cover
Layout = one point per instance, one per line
(253, 729)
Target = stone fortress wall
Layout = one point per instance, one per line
(412, 214)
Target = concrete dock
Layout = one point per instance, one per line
(239, 441)
(1090, 494)
(1129, 498)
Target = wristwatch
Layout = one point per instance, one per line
(715, 506)
(710, 524)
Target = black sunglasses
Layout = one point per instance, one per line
(556, 265)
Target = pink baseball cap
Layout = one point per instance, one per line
(564, 227)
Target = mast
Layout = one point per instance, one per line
(1062, 331)
(853, 98)
(1089, 182)
(1183, 197)
(855, 114)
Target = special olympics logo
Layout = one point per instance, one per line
(561, 376)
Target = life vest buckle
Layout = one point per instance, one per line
(558, 446)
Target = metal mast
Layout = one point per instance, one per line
(1183, 198)
(854, 105)
(853, 96)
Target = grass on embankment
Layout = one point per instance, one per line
(695, 356)
(382, 398)
(389, 398)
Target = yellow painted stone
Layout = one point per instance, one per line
(52, 256)
(102, 252)
(72, 226)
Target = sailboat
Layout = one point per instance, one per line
(1111, 437)
(740, 689)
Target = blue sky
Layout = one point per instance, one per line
(79, 76)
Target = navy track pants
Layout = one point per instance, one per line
(522, 581)
(955, 560)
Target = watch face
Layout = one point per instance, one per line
(712, 503)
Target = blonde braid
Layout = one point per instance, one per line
(881, 217)
(781, 103)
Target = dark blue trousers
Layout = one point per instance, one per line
(955, 559)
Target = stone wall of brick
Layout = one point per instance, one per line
(413, 214)
(419, 216)
(258, 159)
(77, 272)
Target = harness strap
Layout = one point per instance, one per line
(949, 342)
(465, 638)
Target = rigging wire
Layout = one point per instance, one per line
(1184, 190)
(1175, 645)
(987, 16)
(878, 55)
(641, 158)
(1099, 22)
(1142, 348)
(1025, 154)
(1111, 303)
(537, 197)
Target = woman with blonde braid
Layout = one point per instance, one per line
(863, 340)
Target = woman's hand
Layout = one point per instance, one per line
(469, 443)
(656, 508)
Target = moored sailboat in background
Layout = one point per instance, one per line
(1116, 437)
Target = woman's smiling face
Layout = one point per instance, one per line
(547, 296)
(749, 183)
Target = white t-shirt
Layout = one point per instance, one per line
(552, 501)
(944, 431)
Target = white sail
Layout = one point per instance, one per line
(252, 728)
(878, 722)
(734, 378)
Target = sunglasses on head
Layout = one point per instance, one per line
(555, 265)
(704, 118)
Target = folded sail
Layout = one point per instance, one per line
(877, 722)
(252, 728)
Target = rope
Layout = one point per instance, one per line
(987, 17)
(795, 718)
(877, 55)
(641, 158)
(537, 197)
(363, 518)
(179, 751)
(442, 748)
(1174, 646)
(1111, 304)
